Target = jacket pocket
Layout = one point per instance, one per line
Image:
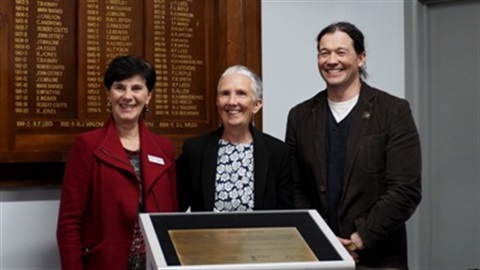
(372, 153)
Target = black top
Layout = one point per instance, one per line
(336, 151)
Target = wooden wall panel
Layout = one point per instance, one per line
(53, 55)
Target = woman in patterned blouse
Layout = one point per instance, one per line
(236, 167)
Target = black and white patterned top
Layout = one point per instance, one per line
(234, 179)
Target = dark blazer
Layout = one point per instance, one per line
(382, 184)
(196, 170)
(100, 196)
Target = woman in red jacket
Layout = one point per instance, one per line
(114, 173)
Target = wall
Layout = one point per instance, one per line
(450, 106)
(28, 217)
(27, 228)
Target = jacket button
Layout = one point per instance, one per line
(321, 188)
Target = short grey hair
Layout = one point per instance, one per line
(256, 83)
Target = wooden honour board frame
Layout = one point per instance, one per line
(53, 55)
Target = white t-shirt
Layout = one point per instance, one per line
(341, 109)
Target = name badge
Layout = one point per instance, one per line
(155, 159)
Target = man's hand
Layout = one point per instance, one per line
(352, 245)
(357, 241)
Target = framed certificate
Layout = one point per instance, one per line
(289, 239)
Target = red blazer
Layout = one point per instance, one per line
(100, 196)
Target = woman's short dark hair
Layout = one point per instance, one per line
(353, 32)
(127, 66)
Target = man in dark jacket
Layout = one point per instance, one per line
(356, 154)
